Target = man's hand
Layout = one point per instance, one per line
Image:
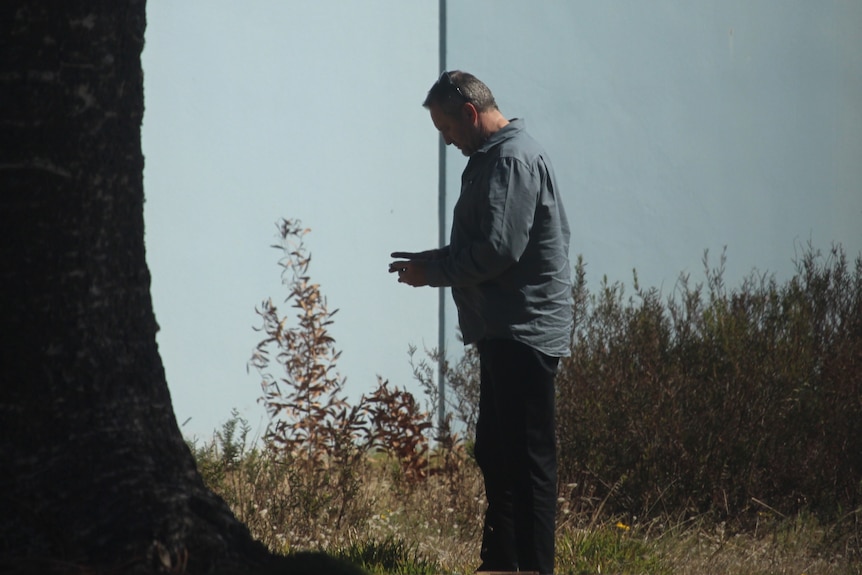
(409, 272)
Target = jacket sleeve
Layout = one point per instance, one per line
(504, 223)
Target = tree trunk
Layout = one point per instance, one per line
(93, 468)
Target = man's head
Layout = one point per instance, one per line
(455, 88)
(463, 109)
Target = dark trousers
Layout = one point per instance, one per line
(516, 451)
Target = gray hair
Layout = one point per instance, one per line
(455, 88)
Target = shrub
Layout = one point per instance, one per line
(322, 444)
(718, 400)
(462, 387)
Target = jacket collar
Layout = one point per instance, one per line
(515, 126)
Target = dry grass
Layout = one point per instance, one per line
(434, 526)
(778, 546)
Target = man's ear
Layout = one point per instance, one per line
(469, 113)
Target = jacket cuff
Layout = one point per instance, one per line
(434, 274)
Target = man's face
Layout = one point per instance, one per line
(457, 130)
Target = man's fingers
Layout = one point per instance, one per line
(397, 266)
(403, 255)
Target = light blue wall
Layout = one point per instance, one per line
(678, 126)
(675, 127)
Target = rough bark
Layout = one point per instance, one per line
(93, 468)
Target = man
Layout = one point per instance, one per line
(507, 264)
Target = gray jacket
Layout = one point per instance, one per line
(507, 261)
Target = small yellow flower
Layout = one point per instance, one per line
(622, 526)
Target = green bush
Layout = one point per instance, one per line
(714, 400)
